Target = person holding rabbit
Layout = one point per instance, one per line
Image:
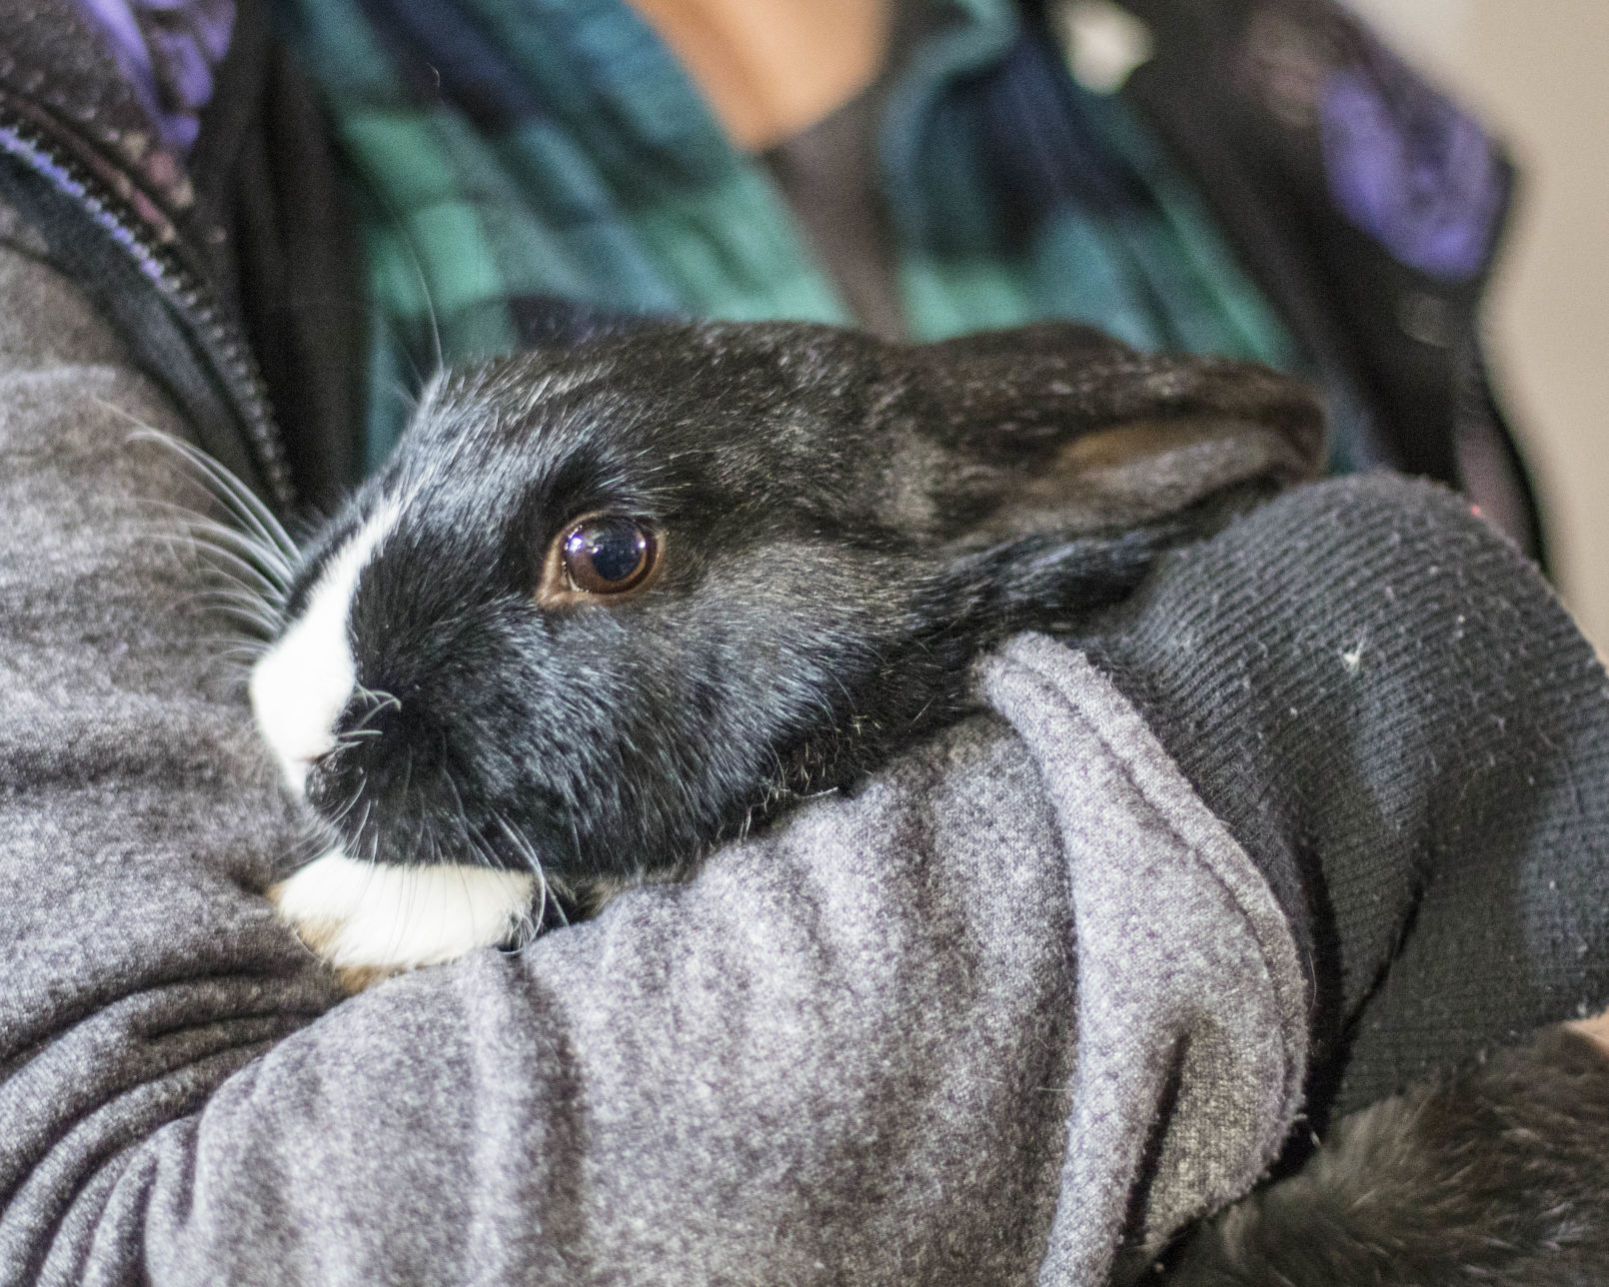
(1315, 810)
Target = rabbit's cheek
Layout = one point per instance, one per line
(369, 920)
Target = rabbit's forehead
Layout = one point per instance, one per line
(682, 411)
(505, 487)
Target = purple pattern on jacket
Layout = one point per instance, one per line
(166, 51)
(1410, 168)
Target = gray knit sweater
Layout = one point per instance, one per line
(1014, 1012)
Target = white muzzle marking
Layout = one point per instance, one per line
(300, 686)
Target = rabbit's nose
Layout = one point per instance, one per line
(332, 777)
(380, 752)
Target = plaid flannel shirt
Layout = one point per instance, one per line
(507, 153)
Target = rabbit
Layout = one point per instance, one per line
(613, 602)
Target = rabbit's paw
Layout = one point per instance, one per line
(371, 920)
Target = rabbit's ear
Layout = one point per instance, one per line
(1056, 427)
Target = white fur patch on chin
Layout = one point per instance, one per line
(370, 919)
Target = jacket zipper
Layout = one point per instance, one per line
(190, 297)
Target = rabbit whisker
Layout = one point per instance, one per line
(235, 496)
(524, 848)
(197, 524)
(381, 700)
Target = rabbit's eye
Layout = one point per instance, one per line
(607, 554)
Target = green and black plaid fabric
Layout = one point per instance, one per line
(504, 152)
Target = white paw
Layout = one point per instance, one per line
(369, 920)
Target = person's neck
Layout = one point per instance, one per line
(771, 68)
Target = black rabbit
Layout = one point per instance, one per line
(613, 602)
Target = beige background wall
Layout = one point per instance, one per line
(1538, 72)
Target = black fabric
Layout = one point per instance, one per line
(1387, 737)
(828, 174)
(273, 213)
(302, 284)
(52, 57)
(1405, 339)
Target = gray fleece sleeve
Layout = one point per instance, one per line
(839, 1057)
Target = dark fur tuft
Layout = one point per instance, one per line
(1498, 1178)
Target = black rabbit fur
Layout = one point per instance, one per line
(845, 525)
(1499, 1175)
